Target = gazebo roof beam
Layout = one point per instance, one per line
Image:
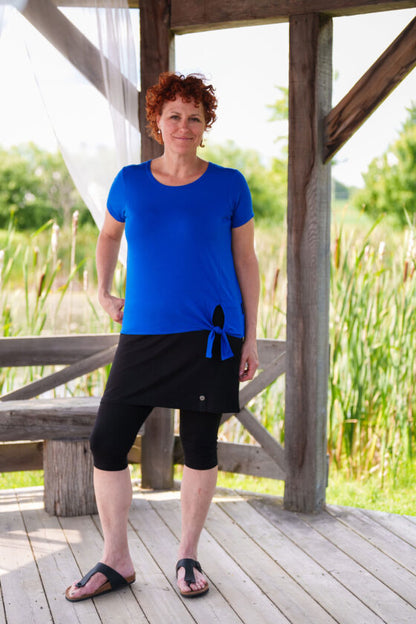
(133, 4)
(73, 44)
(200, 15)
(371, 90)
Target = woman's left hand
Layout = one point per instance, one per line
(249, 360)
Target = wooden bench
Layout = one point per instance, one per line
(64, 424)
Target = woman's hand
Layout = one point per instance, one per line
(108, 246)
(114, 306)
(249, 360)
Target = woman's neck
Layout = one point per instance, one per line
(178, 170)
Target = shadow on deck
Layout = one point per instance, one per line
(264, 564)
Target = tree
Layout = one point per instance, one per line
(390, 181)
(35, 186)
(267, 184)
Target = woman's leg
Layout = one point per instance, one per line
(112, 438)
(199, 440)
(113, 495)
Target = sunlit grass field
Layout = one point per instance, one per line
(48, 286)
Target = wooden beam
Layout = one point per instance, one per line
(247, 459)
(308, 263)
(263, 437)
(65, 37)
(133, 4)
(68, 475)
(197, 15)
(270, 373)
(21, 456)
(157, 450)
(268, 350)
(289, 7)
(47, 419)
(83, 367)
(46, 350)
(371, 90)
(156, 56)
(70, 348)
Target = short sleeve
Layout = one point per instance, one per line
(116, 202)
(243, 207)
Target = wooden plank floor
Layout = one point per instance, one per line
(264, 564)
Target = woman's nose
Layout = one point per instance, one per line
(183, 124)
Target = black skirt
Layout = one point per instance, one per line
(172, 370)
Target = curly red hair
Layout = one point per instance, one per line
(191, 87)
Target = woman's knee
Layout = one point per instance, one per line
(106, 455)
(199, 434)
(114, 433)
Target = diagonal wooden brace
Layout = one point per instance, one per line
(82, 367)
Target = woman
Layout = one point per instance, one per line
(188, 320)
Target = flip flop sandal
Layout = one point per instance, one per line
(189, 565)
(115, 581)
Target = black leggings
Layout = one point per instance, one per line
(116, 428)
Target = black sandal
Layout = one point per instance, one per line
(114, 581)
(189, 565)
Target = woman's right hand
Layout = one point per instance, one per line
(114, 306)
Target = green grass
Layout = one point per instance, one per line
(28, 478)
(394, 497)
(372, 402)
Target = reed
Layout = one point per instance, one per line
(371, 398)
(373, 342)
(41, 293)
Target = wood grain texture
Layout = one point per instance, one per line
(157, 450)
(201, 15)
(308, 263)
(156, 56)
(47, 350)
(50, 419)
(54, 380)
(21, 456)
(263, 563)
(371, 90)
(68, 471)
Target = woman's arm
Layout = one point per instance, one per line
(108, 246)
(247, 270)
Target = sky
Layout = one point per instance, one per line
(246, 66)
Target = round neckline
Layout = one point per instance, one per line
(172, 186)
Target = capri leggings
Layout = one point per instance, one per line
(116, 428)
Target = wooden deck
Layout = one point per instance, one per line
(264, 564)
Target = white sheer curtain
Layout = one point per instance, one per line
(97, 132)
(6, 7)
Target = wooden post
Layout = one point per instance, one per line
(68, 470)
(308, 262)
(157, 450)
(156, 56)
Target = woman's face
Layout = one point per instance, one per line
(182, 125)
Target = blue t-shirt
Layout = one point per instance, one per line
(179, 261)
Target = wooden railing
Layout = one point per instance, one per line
(53, 433)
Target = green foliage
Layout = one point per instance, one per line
(268, 185)
(35, 186)
(341, 192)
(373, 354)
(390, 181)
